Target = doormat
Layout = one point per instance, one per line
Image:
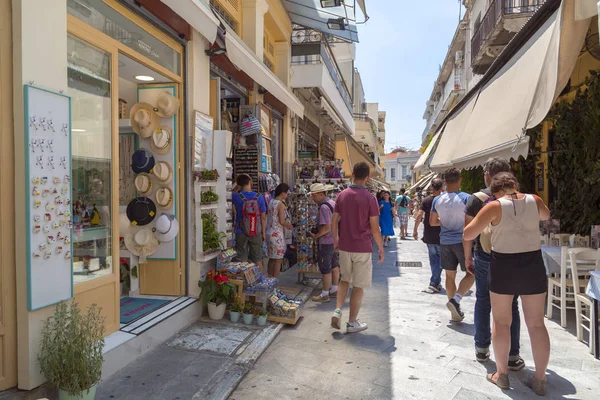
(409, 264)
(133, 308)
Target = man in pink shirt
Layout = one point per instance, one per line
(358, 214)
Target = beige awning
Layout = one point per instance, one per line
(198, 15)
(516, 98)
(423, 181)
(421, 162)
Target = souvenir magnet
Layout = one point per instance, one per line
(48, 254)
(63, 162)
(37, 229)
(33, 122)
(59, 212)
(39, 162)
(46, 228)
(65, 129)
(56, 180)
(35, 191)
(67, 213)
(42, 246)
(41, 144)
(51, 125)
(59, 249)
(36, 180)
(45, 192)
(37, 255)
(67, 178)
(55, 225)
(58, 200)
(67, 239)
(64, 190)
(37, 217)
(42, 123)
(54, 191)
(68, 255)
(50, 206)
(51, 239)
(44, 180)
(47, 217)
(60, 236)
(37, 203)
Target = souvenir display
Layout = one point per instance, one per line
(167, 105)
(246, 162)
(142, 161)
(163, 172)
(166, 228)
(161, 140)
(142, 244)
(141, 211)
(164, 197)
(143, 183)
(143, 119)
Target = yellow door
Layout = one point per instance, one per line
(8, 307)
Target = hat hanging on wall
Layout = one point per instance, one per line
(161, 140)
(143, 183)
(143, 119)
(141, 211)
(124, 225)
(163, 172)
(167, 105)
(142, 244)
(142, 161)
(166, 228)
(164, 197)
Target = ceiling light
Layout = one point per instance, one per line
(331, 3)
(336, 24)
(77, 130)
(144, 78)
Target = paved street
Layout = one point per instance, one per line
(410, 351)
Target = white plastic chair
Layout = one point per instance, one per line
(582, 262)
(562, 238)
(560, 288)
(545, 241)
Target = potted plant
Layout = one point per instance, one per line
(212, 240)
(248, 314)
(235, 311)
(261, 316)
(207, 175)
(70, 355)
(216, 292)
(208, 197)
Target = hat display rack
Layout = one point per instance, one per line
(153, 213)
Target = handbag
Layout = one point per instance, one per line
(250, 125)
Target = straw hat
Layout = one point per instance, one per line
(164, 197)
(319, 187)
(163, 172)
(167, 105)
(143, 183)
(143, 119)
(142, 161)
(166, 228)
(142, 244)
(141, 211)
(161, 140)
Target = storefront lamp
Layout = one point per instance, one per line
(331, 3)
(336, 24)
(215, 52)
(144, 78)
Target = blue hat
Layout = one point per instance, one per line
(142, 161)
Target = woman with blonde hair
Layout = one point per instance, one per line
(516, 269)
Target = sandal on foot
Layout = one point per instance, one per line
(502, 382)
(538, 386)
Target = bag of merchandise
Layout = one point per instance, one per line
(250, 125)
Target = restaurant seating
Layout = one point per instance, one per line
(560, 287)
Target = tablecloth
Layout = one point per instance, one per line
(551, 256)
(593, 286)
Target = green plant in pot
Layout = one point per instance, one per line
(261, 316)
(235, 310)
(217, 292)
(211, 238)
(70, 355)
(248, 314)
(209, 197)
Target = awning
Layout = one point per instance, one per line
(423, 181)
(351, 152)
(246, 60)
(422, 161)
(198, 14)
(363, 7)
(516, 97)
(310, 14)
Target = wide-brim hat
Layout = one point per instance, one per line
(161, 138)
(319, 188)
(124, 225)
(164, 197)
(163, 172)
(166, 228)
(141, 211)
(143, 183)
(167, 105)
(142, 161)
(143, 119)
(142, 244)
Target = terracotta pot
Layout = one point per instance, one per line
(216, 311)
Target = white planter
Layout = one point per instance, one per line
(216, 311)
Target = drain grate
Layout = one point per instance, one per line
(409, 264)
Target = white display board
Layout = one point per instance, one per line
(203, 141)
(48, 214)
(166, 251)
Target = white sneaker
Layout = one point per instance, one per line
(336, 318)
(356, 327)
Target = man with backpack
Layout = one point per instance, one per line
(478, 264)
(329, 264)
(250, 221)
(401, 208)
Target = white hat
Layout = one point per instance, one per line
(142, 244)
(143, 183)
(164, 197)
(166, 228)
(124, 225)
(319, 187)
(163, 172)
(161, 140)
(143, 119)
(167, 105)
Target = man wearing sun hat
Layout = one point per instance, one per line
(328, 258)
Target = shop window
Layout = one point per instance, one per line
(107, 20)
(393, 174)
(89, 85)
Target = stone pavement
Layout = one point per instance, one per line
(410, 351)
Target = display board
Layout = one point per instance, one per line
(203, 141)
(48, 185)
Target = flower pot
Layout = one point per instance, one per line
(234, 316)
(216, 311)
(261, 320)
(89, 394)
(248, 319)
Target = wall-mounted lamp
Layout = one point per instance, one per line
(336, 24)
(214, 52)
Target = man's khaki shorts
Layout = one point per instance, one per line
(356, 268)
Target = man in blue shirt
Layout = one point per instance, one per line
(249, 248)
(448, 212)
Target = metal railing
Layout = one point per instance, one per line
(495, 12)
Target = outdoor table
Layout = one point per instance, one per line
(593, 291)
(551, 256)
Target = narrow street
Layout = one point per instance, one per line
(410, 351)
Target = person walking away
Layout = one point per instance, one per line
(431, 236)
(357, 212)
(276, 225)
(417, 200)
(477, 260)
(402, 210)
(448, 212)
(516, 269)
(250, 221)
(328, 258)
(386, 217)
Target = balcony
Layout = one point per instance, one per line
(447, 97)
(503, 19)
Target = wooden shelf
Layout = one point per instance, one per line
(208, 257)
(208, 206)
(206, 184)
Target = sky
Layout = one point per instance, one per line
(401, 48)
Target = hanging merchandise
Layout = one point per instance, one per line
(164, 197)
(161, 140)
(142, 244)
(167, 105)
(166, 228)
(143, 119)
(250, 125)
(163, 172)
(141, 211)
(143, 183)
(142, 161)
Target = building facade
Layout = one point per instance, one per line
(399, 169)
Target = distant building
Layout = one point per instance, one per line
(399, 169)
